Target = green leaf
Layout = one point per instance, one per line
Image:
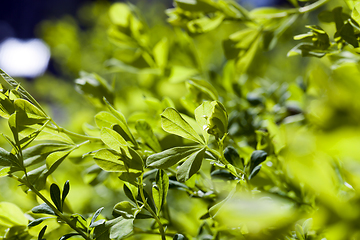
(205, 24)
(38, 153)
(120, 228)
(160, 189)
(114, 140)
(169, 157)
(69, 235)
(172, 122)
(161, 52)
(43, 209)
(190, 166)
(55, 196)
(7, 159)
(299, 232)
(6, 106)
(79, 221)
(125, 209)
(307, 224)
(233, 157)
(94, 217)
(42, 233)
(54, 160)
(201, 115)
(257, 157)
(20, 89)
(214, 210)
(109, 160)
(146, 133)
(197, 5)
(65, 192)
(38, 221)
(4, 171)
(27, 113)
(179, 236)
(11, 215)
(217, 120)
(121, 121)
(94, 87)
(254, 172)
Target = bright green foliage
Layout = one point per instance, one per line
(204, 128)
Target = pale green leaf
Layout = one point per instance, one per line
(109, 160)
(172, 122)
(114, 140)
(11, 215)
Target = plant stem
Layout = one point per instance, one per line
(57, 212)
(63, 130)
(161, 227)
(300, 10)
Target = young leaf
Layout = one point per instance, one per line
(96, 214)
(190, 166)
(160, 189)
(130, 191)
(218, 120)
(65, 192)
(201, 115)
(172, 122)
(169, 157)
(7, 159)
(55, 196)
(42, 233)
(114, 140)
(146, 133)
(233, 157)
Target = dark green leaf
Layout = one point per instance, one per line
(255, 171)
(190, 166)
(222, 174)
(167, 158)
(79, 221)
(257, 157)
(233, 157)
(160, 189)
(55, 196)
(41, 233)
(43, 208)
(69, 235)
(65, 192)
(37, 221)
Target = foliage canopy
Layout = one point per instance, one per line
(198, 128)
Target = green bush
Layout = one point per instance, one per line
(198, 128)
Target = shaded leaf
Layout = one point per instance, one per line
(94, 217)
(42, 233)
(167, 158)
(160, 189)
(190, 166)
(146, 133)
(43, 208)
(69, 235)
(55, 196)
(65, 192)
(124, 209)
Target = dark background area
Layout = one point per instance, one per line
(20, 17)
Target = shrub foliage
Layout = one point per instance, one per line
(204, 129)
